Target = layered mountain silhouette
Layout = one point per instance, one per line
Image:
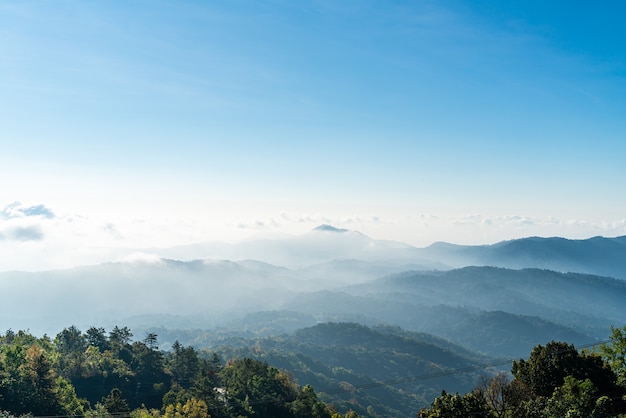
(597, 255)
(498, 299)
(326, 244)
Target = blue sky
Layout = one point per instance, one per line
(420, 121)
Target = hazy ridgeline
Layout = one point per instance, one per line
(343, 275)
(408, 313)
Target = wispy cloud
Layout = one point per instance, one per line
(17, 210)
(518, 225)
(257, 225)
(285, 220)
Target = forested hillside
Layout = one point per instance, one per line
(555, 381)
(96, 374)
(380, 370)
(356, 370)
(383, 371)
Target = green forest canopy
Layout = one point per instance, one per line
(100, 374)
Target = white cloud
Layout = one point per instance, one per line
(17, 210)
(295, 223)
(358, 220)
(20, 223)
(252, 225)
(314, 219)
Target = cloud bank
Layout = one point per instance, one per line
(36, 237)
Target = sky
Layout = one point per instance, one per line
(158, 123)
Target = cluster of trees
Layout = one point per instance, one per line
(556, 381)
(103, 375)
(98, 375)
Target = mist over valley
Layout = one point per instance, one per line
(336, 307)
(519, 291)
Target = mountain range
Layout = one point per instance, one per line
(327, 244)
(499, 299)
(367, 322)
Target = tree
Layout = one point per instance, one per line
(71, 344)
(206, 381)
(97, 337)
(99, 411)
(547, 367)
(184, 364)
(144, 412)
(147, 363)
(120, 336)
(114, 403)
(519, 401)
(42, 383)
(306, 405)
(66, 393)
(495, 391)
(175, 360)
(151, 340)
(614, 353)
(577, 399)
(119, 342)
(175, 396)
(13, 387)
(193, 408)
(253, 387)
(70, 340)
(471, 404)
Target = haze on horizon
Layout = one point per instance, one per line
(156, 124)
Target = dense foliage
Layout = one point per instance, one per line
(556, 381)
(98, 374)
(377, 371)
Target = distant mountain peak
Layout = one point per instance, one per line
(330, 228)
